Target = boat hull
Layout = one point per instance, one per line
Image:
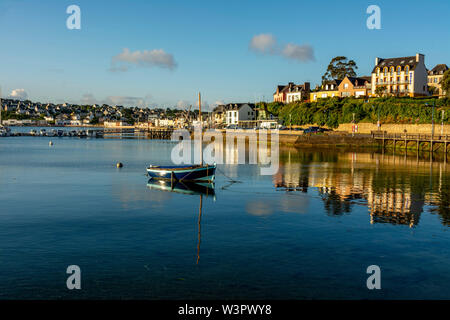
(182, 173)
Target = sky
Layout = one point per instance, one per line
(162, 53)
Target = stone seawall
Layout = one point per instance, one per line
(396, 128)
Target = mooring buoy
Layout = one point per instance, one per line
(119, 165)
(50, 143)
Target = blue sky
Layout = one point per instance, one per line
(209, 41)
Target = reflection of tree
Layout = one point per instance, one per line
(442, 202)
(333, 203)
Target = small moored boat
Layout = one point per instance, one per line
(194, 173)
(183, 173)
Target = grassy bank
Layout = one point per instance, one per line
(335, 111)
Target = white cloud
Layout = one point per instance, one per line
(147, 58)
(18, 94)
(267, 44)
(263, 43)
(302, 53)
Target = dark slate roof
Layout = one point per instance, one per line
(359, 81)
(334, 82)
(394, 62)
(438, 69)
(237, 106)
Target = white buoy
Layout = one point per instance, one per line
(119, 165)
(50, 143)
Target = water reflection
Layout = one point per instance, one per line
(396, 189)
(188, 188)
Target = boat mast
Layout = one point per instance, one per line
(201, 127)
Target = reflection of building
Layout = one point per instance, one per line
(394, 207)
(351, 179)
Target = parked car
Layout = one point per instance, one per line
(313, 130)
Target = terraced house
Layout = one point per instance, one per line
(355, 87)
(401, 76)
(292, 92)
(435, 76)
(329, 89)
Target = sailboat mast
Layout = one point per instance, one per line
(201, 127)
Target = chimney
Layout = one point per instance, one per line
(420, 57)
(307, 86)
(377, 60)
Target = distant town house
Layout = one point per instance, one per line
(355, 87)
(219, 114)
(435, 76)
(291, 92)
(298, 92)
(329, 89)
(237, 112)
(404, 76)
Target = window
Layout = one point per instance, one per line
(385, 71)
(399, 69)
(345, 85)
(407, 69)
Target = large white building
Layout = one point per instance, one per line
(401, 76)
(236, 112)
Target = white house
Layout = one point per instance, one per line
(401, 76)
(236, 112)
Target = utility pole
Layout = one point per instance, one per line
(432, 120)
(442, 123)
(353, 127)
(290, 122)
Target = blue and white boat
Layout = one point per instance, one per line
(193, 173)
(205, 173)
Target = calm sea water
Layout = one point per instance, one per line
(308, 232)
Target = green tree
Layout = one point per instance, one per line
(380, 90)
(339, 68)
(445, 83)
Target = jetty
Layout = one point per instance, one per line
(421, 142)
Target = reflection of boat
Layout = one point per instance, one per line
(191, 188)
(185, 173)
(182, 187)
